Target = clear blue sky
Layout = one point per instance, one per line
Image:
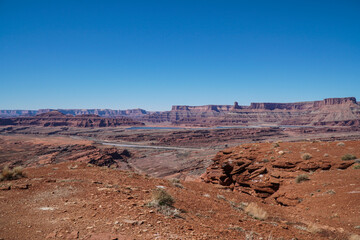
(154, 54)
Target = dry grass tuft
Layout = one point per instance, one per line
(176, 182)
(306, 156)
(302, 178)
(163, 202)
(161, 197)
(11, 174)
(347, 157)
(275, 145)
(256, 212)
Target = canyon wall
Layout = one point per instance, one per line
(134, 113)
(330, 111)
(56, 118)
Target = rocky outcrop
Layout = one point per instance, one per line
(260, 169)
(56, 118)
(43, 152)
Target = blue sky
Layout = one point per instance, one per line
(154, 54)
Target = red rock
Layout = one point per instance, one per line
(283, 164)
(56, 118)
(309, 166)
(344, 165)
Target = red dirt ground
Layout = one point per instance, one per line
(75, 200)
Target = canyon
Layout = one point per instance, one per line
(91, 173)
(328, 112)
(56, 118)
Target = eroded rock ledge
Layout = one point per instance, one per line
(261, 169)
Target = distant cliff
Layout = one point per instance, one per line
(56, 118)
(134, 113)
(330, 111)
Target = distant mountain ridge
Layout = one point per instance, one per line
(75, 112)
(330, 111)
(56, 118)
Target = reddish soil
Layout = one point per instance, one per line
(65, 197)
(74, 201)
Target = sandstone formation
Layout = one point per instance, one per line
(134, 113)
(261, 169)
(331, 111)
(328, 112)
(56, 118)
(43, 151)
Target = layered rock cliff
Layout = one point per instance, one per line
(56, 118)
(133, 113)
(331, 111)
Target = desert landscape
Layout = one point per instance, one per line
(268, 171)
(179, 120)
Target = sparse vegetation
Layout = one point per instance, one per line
(302, 178)
(275, 145)
(306, 156)
(160, 197)
(221, 197)
(256, 212)
(163, 201)
(357, 166)
(331, 192)
(241, 206)
(176, 182)
(347, 157)
(11, 174)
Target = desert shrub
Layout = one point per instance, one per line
(275, 145)
(256, 212)
(357, 166)
(163, 202)
(340, 144)
(11, 174)
(348, 157)
(238, 206)
(306, 156)
(221, 197)
(161, 197)
(169, 211)
(176, 182)
(302, 178)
